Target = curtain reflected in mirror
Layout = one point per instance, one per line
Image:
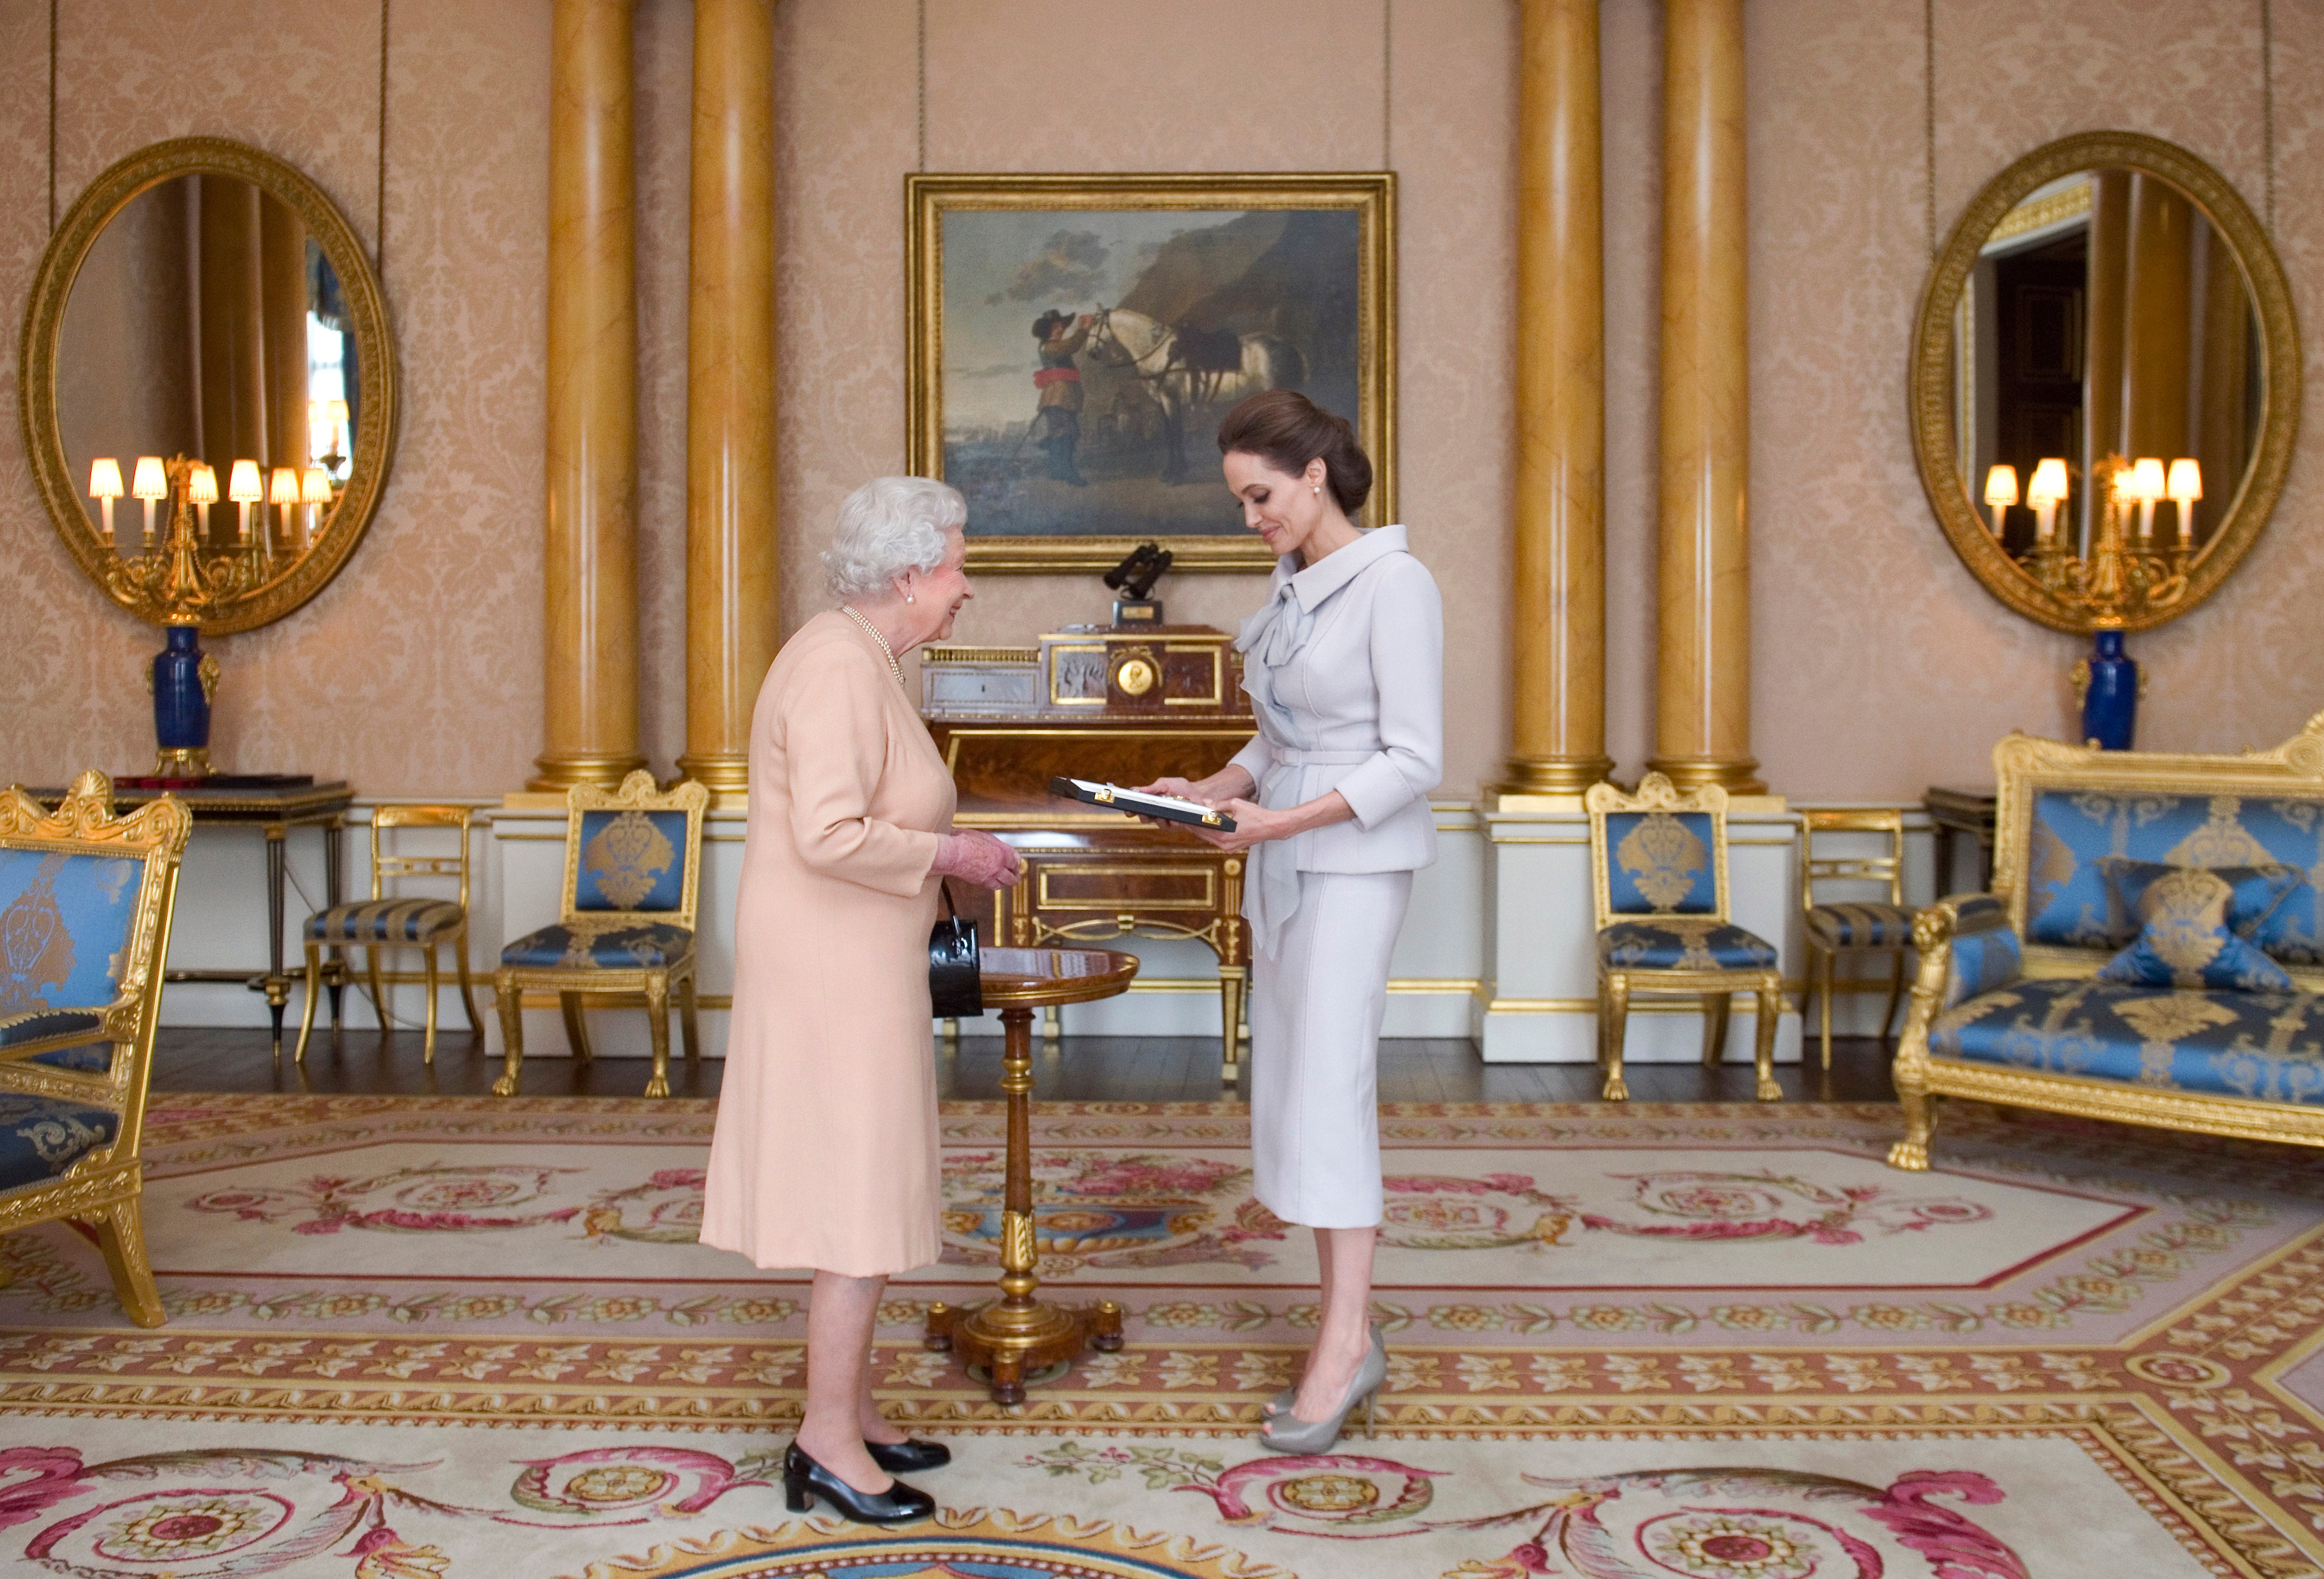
(207, 322)
(2106, 316)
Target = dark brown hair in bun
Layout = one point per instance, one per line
(1286, 429)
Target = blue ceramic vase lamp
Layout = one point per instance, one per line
(183, 677)
(2108, 681)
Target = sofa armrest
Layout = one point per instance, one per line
(1967, 946)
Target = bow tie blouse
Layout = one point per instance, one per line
(1344, 665)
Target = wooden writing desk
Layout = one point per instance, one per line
(1126, 705)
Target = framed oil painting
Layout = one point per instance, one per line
(1075, 340)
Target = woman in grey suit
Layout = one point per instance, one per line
(1344, 666)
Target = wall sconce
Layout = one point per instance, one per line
(104, 488)
(2000, 494)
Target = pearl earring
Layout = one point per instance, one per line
(1317, 491)
(908, 598)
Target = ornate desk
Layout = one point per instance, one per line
(274, 804)
(1017, 1332)
(1128, 704)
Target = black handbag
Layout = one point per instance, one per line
(954, 989)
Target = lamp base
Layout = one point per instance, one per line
(184, 762)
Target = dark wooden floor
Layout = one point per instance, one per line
(1083, 1069)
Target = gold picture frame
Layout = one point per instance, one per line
(1369, 197)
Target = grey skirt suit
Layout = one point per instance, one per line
(1345, 671)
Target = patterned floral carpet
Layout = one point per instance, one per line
(454, 1338)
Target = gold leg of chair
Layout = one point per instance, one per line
(427, 975)
(378, 995)
(1821, 962)
(1762, 1050)
(1715, 1009)
(576, 1028)
(1911, 1152)
(1616, 1017)
(1230, 992)
(1895, 994)
(307, 1009)
(658, 1030)
(460, 957)
(687, 1026)
(121, 1235)
(512, 1010)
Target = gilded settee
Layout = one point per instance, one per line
(2008, 1007)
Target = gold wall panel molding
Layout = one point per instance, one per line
(1935, 405)
(230, 605)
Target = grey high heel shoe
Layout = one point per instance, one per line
(1286, 1433)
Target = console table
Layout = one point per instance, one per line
(274, 804)
(1955, 812)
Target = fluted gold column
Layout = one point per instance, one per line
(1558, 691)
(1702, 712)
(591, 553)
(2157, 332)
(283, 244)
(233, 334)
(730, 622)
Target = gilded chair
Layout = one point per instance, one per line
(84, 905)
(383, 922)
(632, 868)
(1659, 888)
(1854, 926)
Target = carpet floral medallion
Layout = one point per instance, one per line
(451, 1338)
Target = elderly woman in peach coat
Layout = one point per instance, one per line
(824, 1154)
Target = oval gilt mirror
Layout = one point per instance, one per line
(2106, 382)
(210, 389)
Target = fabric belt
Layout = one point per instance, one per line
(1272, 890)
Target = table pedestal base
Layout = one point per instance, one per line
(1011, 1338)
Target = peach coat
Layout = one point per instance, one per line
(824, 1154)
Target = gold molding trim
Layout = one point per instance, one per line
(928, 197)
(376, 422)
(2030, 217)
(1932, 391)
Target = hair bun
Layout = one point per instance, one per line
(1286, 429)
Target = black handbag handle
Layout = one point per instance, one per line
(954, 988)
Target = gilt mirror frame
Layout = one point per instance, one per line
(1930, 382)
(375, 380)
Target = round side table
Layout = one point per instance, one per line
(1019, 1332)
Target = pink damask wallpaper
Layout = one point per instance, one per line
(1879, 666)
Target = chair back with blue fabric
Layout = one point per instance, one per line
(1658, 852)
(84, 905)
(634, 854)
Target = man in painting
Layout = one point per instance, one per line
(1057, 416)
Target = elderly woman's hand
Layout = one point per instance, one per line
(975, 856)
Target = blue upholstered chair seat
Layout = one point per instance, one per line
(383, 921)
(88, 1058)
(2268, 1046)
(43, 1136)
(1686, 943)
(40, 1024)
(1861, 925)
(626, 948)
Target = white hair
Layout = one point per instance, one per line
(887, 526)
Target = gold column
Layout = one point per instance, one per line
(282, 239)
(591, 651)
(2102, 314)
(233, 328)
(2157, 333)
(731, 615)
(1703, 711)
(1558, 694)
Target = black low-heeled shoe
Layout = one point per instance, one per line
(803, 1480)
(906, 1458)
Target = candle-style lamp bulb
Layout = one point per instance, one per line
(104, 488)
(315, 493)
(2186, 486)
(2000, 494)
(149, 485)
(201, 487)
(2147, 484)
(2044, 491)
(282, 492)
(244, 487)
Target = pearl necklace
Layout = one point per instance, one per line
(887, 652)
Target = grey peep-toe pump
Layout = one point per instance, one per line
(1286, 1433)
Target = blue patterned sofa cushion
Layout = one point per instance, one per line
(383, 921)
(1982, 962)
(2268, 1046)
(1660, 863)
(39, 1024)
(2068, 898)
(630, 861)
(1850, 926)
(2253, 891)
(621, 946)
(43, 1136)
(64, 926)
(1677, 943)
(2186, 941)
